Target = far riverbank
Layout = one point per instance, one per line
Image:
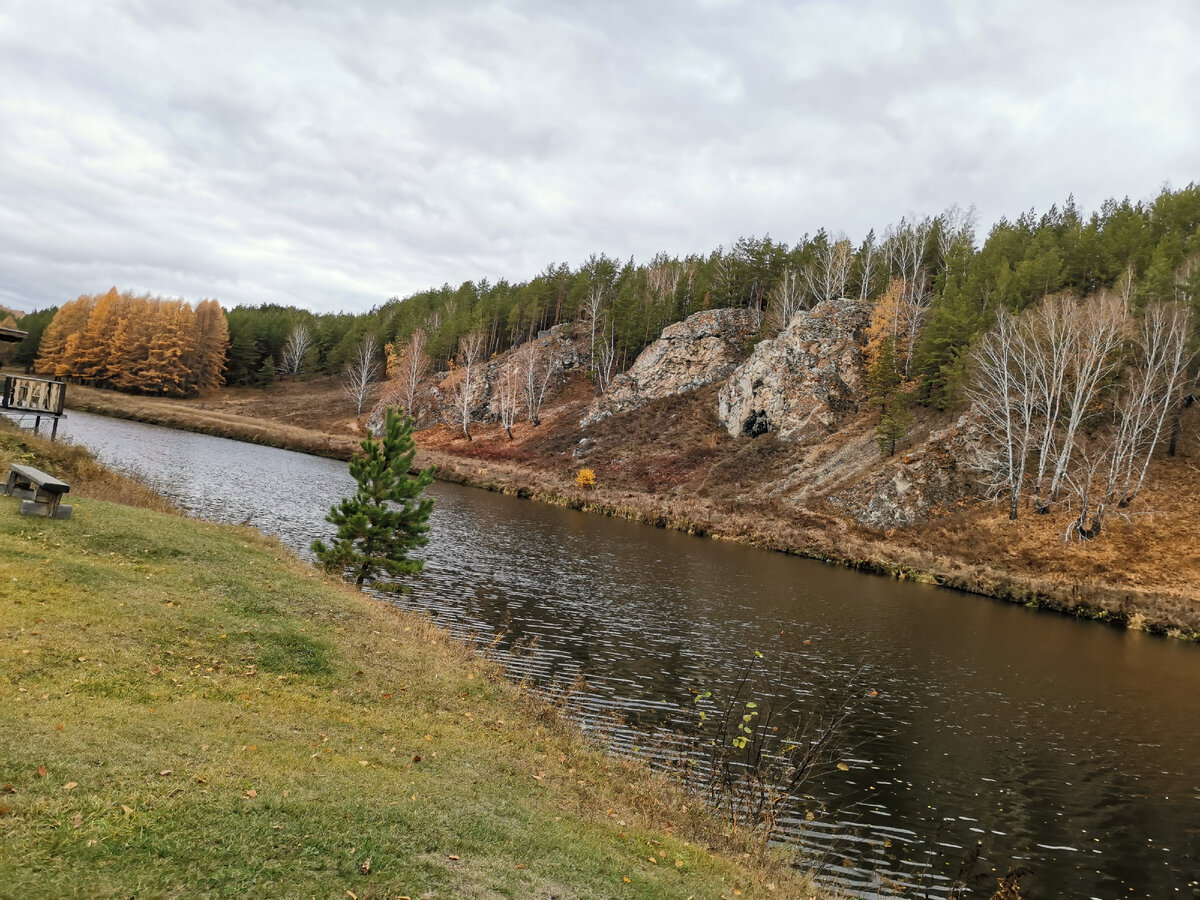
(964, 549)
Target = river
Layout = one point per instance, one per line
(1064, 746)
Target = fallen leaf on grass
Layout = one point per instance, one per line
(625, 878)
(128, 810)
(452, 856)
(42, 772)
(165, 772)
(352, 895)
(250, 794)
(4, 811)
(77, 820)
(70, 785)
(365, 868)
(417, 758)
(9, 789)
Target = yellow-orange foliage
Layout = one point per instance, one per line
(895, 323)
(887, 322)
(586, 479)
(137, 343)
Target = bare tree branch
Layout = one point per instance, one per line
(361, 372)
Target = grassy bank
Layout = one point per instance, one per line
(189, 710)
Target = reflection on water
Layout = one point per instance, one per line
(1060, 745)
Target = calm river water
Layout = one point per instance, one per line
(1063, 746)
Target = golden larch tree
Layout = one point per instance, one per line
(70, 319)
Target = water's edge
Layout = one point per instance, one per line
(1116, 607)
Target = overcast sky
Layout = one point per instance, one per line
(331, 155)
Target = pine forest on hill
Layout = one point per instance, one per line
(944, 284)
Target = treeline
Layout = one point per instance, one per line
(934, 271)
(952, 287)
(136, 343)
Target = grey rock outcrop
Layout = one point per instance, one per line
(805, 382)
(703, 349)
(942, 472)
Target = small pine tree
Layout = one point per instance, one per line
(378, 526)
(266, 374)
(894, 421)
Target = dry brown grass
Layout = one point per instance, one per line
(76, 466)
(244, 414)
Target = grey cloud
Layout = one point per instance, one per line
(331, 155)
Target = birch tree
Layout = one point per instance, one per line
(601, 272)
(867, 261)
(509, 395)
(606, 359)
(362, 371)
(537, 368)
(470, 354)
(1152, 390)
(827, 277)
(294, 349)
(786, 299)
(1098, 328)
(1005, 401)
(1053, 322)
(405, 370)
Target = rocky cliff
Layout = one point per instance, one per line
(703, 349)
(803, 384)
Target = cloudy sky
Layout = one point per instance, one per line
(331, 155)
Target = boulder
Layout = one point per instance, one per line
(804, 383)
(703, 349)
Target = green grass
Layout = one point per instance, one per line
(187, 710)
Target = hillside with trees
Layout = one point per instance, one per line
(950, 285)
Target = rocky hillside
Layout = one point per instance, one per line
(801, 392)
(774, 443)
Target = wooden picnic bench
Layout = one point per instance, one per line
(40, 494)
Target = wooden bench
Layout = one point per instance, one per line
(40, 494)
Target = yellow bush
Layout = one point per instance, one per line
(586, 479)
